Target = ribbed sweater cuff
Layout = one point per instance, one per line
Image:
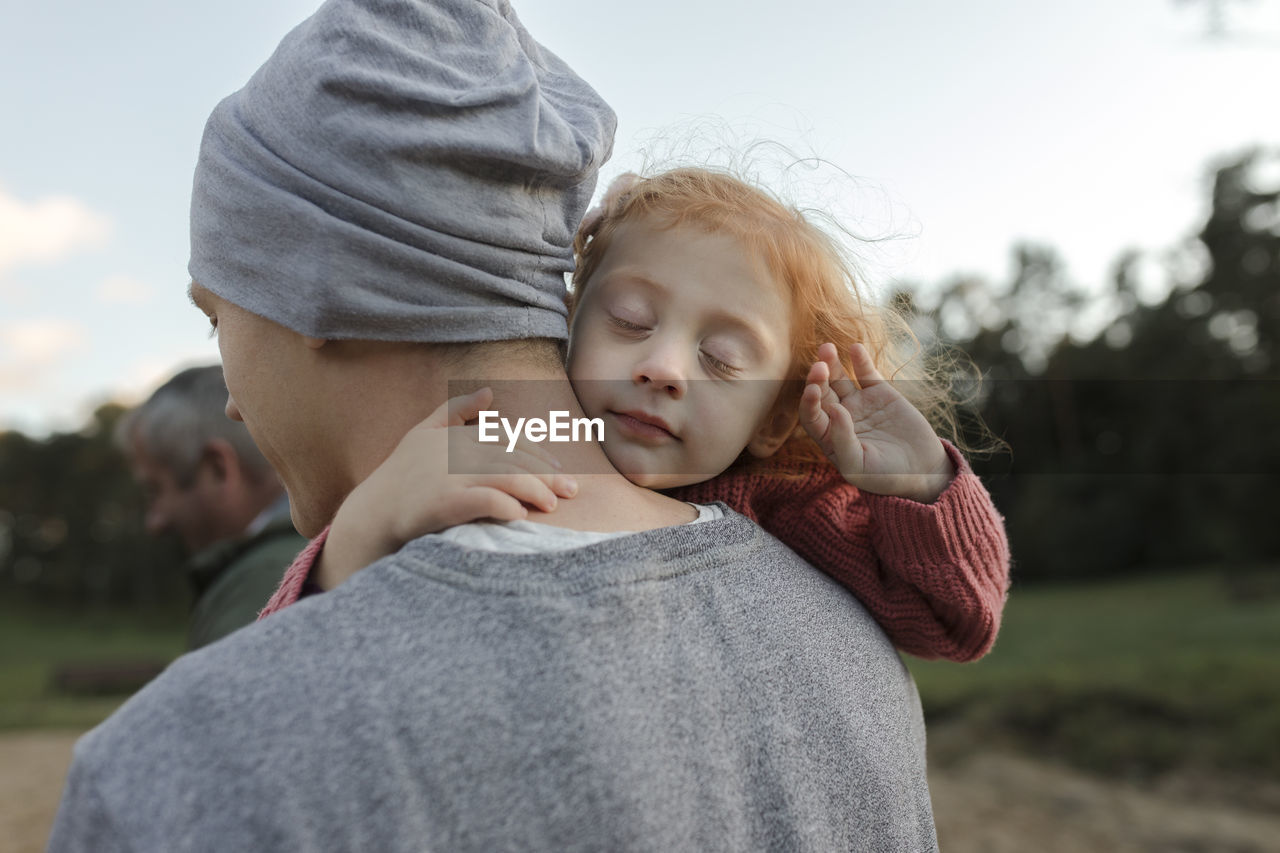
(959, 536)
(929, 533)
(290, 589)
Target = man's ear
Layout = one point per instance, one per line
(773, 433)
(314, 343)
(222, 459)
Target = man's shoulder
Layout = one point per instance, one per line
(519, 683)
(174, 765)
(212, 714)
(251, 575)
(272, 549)
(421, 607)
(243, 586)
(203, 689)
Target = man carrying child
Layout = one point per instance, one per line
(387, 206)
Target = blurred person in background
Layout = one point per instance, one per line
(208, 485)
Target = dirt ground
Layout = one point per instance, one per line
(33, 767)
(1002, 803)
(985, 803)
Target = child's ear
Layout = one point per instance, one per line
(773, 433)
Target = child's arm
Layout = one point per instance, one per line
(412, 494)
(928, 557)
(932, 523)
(933, 575)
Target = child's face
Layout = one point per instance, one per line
(680, 344)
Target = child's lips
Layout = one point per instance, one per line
(644, 426)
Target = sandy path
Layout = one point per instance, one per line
(990, 803)
(33, 768)
(1001, 803)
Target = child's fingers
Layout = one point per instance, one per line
(476, 459)
(843, 438)
(819, 373)
(537, 451)
(456, 411)
(826, 417)
(812, 417)
(820, 377)
(526, 488)
(466, 445)
(530, 460)
(821, 405)
(839, 379)
(480, 502)
(864, 369)
(562, 485)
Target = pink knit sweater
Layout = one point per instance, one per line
(933, 575)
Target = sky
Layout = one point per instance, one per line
(948, 131)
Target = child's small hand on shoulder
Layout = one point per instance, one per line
(870, 432)
(412, 493)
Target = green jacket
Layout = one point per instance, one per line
(233, 579)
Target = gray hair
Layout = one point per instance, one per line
(180, 419)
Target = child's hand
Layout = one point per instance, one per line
(412, 492)
(871, 433)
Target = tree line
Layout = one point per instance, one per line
(1148, 443)
(1153, 443)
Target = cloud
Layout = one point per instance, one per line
(41, 341)
(123, 290)
(47, 230)
(143, 377)
(28, 350)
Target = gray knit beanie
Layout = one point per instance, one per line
(400, 170)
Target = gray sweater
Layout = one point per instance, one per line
(691, 688)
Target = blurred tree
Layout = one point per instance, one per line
(1151, 442)
(70, 524)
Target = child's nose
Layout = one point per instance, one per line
(662, 369)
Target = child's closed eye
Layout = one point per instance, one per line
(627, 325)
(719, 365)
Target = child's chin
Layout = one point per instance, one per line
(638, 468)
(650, 480)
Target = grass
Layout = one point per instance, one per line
(1133, 677)
(35, 642)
